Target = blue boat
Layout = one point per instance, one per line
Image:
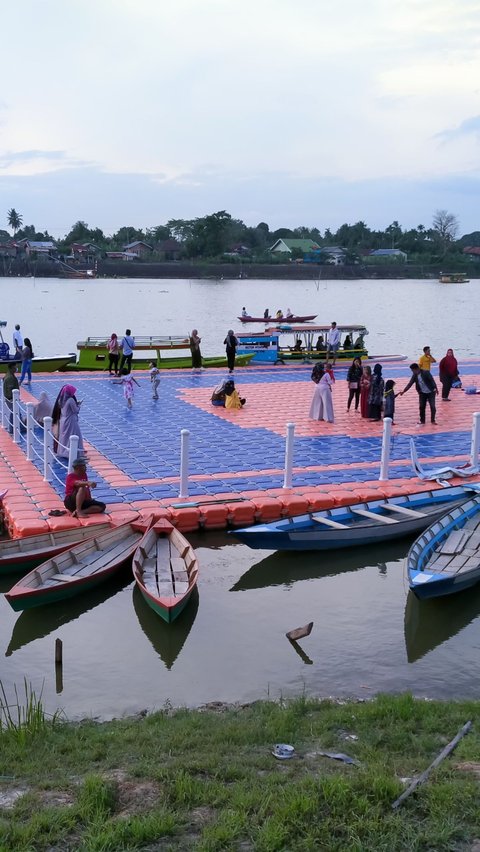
(446, 558)
(360, 523)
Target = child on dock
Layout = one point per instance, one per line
(389, 399)
(127, 381)
(154, 379)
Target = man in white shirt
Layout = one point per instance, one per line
(127, 346)
(17, 340)
(333, 342)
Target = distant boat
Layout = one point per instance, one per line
(80, 273)
(22, 554)
(290, 319)
(446, 558)
(165, 569)
(350, 526)
(453, 278)
(79, 569)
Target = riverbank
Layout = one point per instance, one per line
(206, 779)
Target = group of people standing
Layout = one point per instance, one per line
(230, 343)
(126, 346)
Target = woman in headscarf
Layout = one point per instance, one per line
(448, 371)
(375, 397)
(231, 344)
(354, 376)
(195, 341)
(322, 404)
(69, 425)
(43, 408)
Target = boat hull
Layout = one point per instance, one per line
(94, 360)
(165, 569)
(282, 319)
(42, 365)
(305, 533)
(162, 608)
(42, 547)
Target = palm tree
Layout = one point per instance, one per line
(14, 220)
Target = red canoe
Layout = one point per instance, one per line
(280, 320)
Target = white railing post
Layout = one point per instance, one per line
(184, 441)
(16, 416)
(386, 441)
(287, 479)
(475, 445)
(2, 406)
(72, 451)
(47, 449)
(30, 406)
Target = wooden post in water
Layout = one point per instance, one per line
(58, 666)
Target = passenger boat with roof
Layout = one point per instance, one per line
(360, 523)
(93, 354)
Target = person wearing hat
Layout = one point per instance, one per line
(78, 497)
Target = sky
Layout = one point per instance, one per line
(290, 112)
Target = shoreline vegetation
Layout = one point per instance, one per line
(207, 780)
(227, 271)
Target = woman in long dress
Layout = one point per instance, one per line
(375, 397)
(195, 341)
(69, 425)
(322, 403)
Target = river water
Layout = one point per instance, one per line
(369, 633)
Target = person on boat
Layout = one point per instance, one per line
(231, 344)
(232, 397)
(27, 355)
(322, 403)
(448, 371)
(113, 348)
(359, 344)
(298, 345)
(78, 496)
(266, 314)
(69, 424)
(365, 383)
(154, 378)
(10, 383)
(195, 341)
(289, 314)
(347, 343)
(427, 390)
(389, 399)
(43, 408)
(354, 376)
(244, 312)
(279, 314)
(333, 341)
(426, 359)
(127, 346)
(375, 396)
(320, 344)
(17, 341)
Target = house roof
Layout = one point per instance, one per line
(387, 252)
(137, 243)
(472, 250)
(39, 245)
(303, 245)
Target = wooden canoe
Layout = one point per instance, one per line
(23, 554)
(360, 523)
(165, 569)
(79, 569)
(446, 558)
(289, 320)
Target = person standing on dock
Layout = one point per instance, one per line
(69, 423)
(231, 344)
(426, 360)
(113, 347)
(18, 341)
(195, 341)
(354, 375)
(448, 371)
(333, 342)
(375, 396)
(427, 390)
(127, 346)
(27, 355)
(154, 379)
(10, 383)
(322, 403)
(127, 381)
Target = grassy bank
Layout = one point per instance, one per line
(207, 780)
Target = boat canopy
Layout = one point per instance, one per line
(171, 341)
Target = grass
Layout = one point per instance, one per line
(23, 717)
(181, 780)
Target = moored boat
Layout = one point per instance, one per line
(93, 354)
(44, 364)
(453, 278)
(446, 558)
(350, 526)
(165, 569)
(79, 569)
(290, 319)
(289, 343)
(22, 554)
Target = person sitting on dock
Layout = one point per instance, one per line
(232, 397)
(78, 497)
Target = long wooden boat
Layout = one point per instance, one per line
(360, 523)
(446, 558)
(93, 354)
(47, 364)
(79, 569)
(165, 569)
(453, 278)
(290, 319)
(22, 554)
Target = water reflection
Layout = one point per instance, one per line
(39, 622)
(283, 568)
(167, 639)
(429, 623)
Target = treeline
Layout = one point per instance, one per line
(219, 235)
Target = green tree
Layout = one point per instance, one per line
(14, 220)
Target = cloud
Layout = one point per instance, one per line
(471, 126)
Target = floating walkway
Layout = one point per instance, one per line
(236, 458)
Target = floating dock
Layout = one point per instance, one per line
(236, 458)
